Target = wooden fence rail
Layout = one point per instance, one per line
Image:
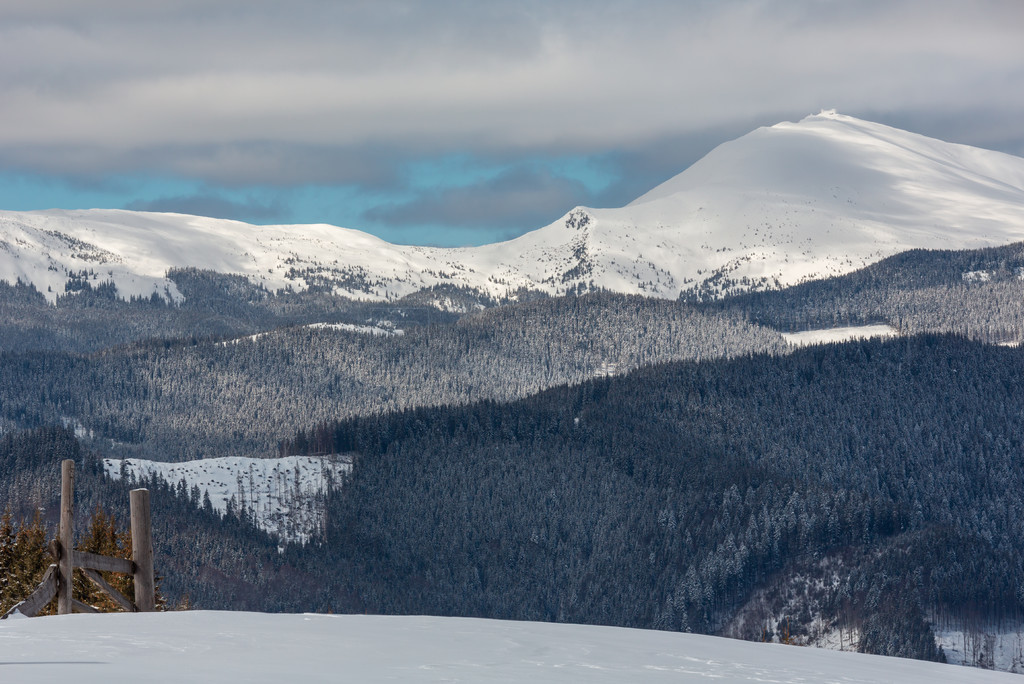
(38, 599)
(57, 579)
(94, 561)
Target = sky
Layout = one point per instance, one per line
(459, 122)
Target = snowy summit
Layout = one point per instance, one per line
(791, 202)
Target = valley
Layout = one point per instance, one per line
(773, 405)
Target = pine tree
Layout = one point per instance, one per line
(103, 538)
(27, 564)
(24, 559)
(7, 539)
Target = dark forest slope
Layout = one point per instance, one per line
(664, 498)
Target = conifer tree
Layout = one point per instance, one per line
(102, 537)
(23, 560)
(7, 539)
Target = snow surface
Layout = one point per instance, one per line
(219, 647)
(795, 201)
(999, 648)
(386, 329)
(828, 335)
(383, 329)
(284, 495)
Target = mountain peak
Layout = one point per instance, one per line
(795, 201)
(577, 220)
(829, 114)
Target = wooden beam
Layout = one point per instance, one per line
(110, 591)
(94, 561)
(38, 599)
(67, 531)
(87, 559)
(80, 607)
(142, 550)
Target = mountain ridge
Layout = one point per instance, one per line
(781, 205)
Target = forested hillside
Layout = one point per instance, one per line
(601, 458)
(666, 497)
(175, 400)
(202, 558)
(240, 383)
(91, 315)
(976, 293)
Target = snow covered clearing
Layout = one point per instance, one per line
(989, 648)
(828, 335)
(284, 495)
(219, 647)
(382, 330)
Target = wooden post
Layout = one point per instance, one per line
(142, 551)
(66, 533)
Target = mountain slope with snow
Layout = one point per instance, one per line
(284, 496)
(780, 205)
(202, 646)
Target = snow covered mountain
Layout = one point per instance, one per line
(791, 202)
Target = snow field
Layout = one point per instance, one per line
(990, 648)
(829, 335)
(283, 495)
(382, 330)
(218, 647)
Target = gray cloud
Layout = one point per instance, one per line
(648, 163)
(254, 92)
(214, 206)
(483, 74)
(520, 199)
(229, 164)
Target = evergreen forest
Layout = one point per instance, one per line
(596, 459)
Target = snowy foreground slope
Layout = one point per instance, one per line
(791, 202)
(220, 647)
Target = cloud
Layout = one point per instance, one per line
(254, 211)
(520, 199)
(229, 164)
(243, 93)
(173, 79)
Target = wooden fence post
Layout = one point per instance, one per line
(142, 551)
(66, 532)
